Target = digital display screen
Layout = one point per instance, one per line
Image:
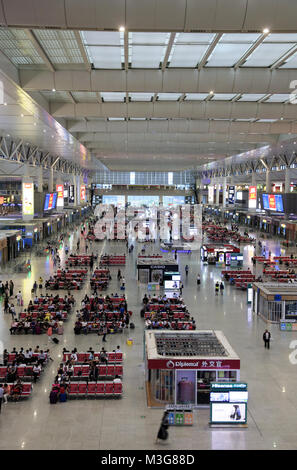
(239, 195)
(231, 194)
(176, 278)
(228, 412)
(50, 201)
(238, 397)
(171, 284)
(219, 396)
(273, 202)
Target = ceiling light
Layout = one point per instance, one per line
(5, 104)
(265, 31)
(122, 29)
(211, 92)
(53, 89)
(22, 115)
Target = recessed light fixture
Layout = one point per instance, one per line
(265, 31)
(211, 92)
(122, 29)
(53, 89)
(5, 104)
(22, 115)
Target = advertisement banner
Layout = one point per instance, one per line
(83, 193)
(252, 197)
(60, 191)
(232, 413)
(201, 364)
(210, 194)
(231, 194)
(28, 199)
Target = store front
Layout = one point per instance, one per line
(219, 254)
(186, 380)
(153, 269)
(275, 303)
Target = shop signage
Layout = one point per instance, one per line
(201, 364)
(277, 298)
(82, 192)
(252, 197)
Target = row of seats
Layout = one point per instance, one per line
(165, 316)
(34, 315)
(112, 357)
(26, 389)
(22, 372)
(103, 371)
(12, 357)
(93, 389)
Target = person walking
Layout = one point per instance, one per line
(217, 287)
(104, 334)
(163, 433)
(198, 279)
(19, 299)
(187, 269)
(222, 288)
(266, 339)
(11, 286)
(49, 333)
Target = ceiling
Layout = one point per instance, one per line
(184, 84)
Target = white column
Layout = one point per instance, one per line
(224, 191)
(217, 193)
(287, 180)
(268, 181)
(51, 180)
(40, 179)
(78, 183)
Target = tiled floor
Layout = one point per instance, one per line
(128, 423)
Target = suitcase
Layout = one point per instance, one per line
(53, 397)
(132, 326)
(55, 340)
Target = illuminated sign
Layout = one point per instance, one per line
(231, 194)
(28, 199)
(82, 192)
(60, 198)
(210, 194)
(252, 197)
(273, 202)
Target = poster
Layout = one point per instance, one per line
(28, 199)
(210, 194)
(228, 413)
(60, 191)
(83, 193)
(252, 197)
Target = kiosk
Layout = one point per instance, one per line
(181, 365)
(221, 254)
(275, 302)
(153, 269)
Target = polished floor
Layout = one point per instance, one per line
(128, 423)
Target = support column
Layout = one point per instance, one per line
(224, 191)
(78, 183)
(51, 180)
(217, 193)
(254, 183)
(287, 180)
(268, 181)
(40, 179)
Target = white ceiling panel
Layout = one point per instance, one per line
(223, 96)
(266, 54)
(187, 55)
(117, 96)
(277, 98)
(105, 57)
(226, 55)
(147, 56)
(141, 96)
(195, 96)
(149, 38)
(194, 38)
(251, 97)
(101, 38)
(168, 96)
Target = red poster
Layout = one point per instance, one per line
(50, 202)
(271, 199)
(252, 192)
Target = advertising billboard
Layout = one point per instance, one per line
(60, 197)
(273, 202)
(228, 412)
(231, 194)
(28, 199)
(71, 194)
(210, 194)
(83, 193)
(252, 197)
(50, 201)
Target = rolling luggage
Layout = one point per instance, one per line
(53, 397)
(132, 326)
(55, 340)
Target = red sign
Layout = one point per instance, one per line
(252, 192)
(271, 199)
(201, 364)
(83, 193)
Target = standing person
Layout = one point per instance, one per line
(187, 269)
(175, 254)
(198, 279)
(222, 288)
(49, 333)
(1, 395)
(266, 339)
(11, 286)
(181, 286)
(19, 298)
(163, 433)
(104, 334)
(217, 287)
